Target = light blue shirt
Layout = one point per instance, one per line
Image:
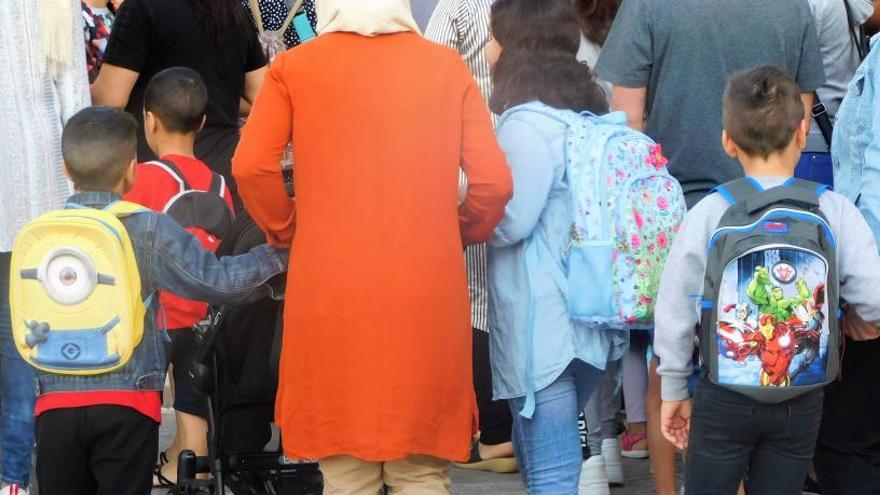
(529, 356)
(855, 148)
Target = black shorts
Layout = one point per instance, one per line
(181, 351)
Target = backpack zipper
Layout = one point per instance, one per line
(790, 212)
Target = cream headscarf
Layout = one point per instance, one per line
(365, 17)
(56, 37)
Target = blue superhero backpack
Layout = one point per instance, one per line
(769, 327)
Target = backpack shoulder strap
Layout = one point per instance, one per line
(739, 190)
(121, 209)
(218, 185)
(172, 170)
(563, 117)
(808, 186)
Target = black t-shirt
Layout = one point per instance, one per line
(152, 35)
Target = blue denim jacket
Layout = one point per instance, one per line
(855, 149)
(170, 259)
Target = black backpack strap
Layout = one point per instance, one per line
(173, 171)
(739, 190)
(823, 120)
(218, 185)
(857, 33)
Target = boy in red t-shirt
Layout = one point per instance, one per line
(174, 106)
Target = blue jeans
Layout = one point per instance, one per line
(548, 446)
(17, 395)
(815, 167)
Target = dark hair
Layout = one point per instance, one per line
(596, 17)
(177, 97)
(762, 110)
(539, 40)
(98, 143)
(219, 16)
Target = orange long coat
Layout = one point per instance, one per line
(376, 359)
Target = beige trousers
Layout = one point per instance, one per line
(413, 475)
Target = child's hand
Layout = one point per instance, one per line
(675, 422)
(857, 328)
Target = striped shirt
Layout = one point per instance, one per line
(463, 25)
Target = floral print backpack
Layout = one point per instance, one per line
(627, 209)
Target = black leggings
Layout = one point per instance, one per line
(495, 420)
(181, 351)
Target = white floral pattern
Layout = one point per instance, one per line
(32, 114)
(623, 197)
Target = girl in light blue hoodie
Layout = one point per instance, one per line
(543, 362)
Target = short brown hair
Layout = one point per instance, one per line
(98, 143)
(762, 110)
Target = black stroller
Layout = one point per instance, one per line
(236, 367)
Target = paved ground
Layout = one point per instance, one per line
(477, 483)
(467, 483)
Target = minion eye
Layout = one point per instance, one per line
(68, 276)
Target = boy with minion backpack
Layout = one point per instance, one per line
(82, 287)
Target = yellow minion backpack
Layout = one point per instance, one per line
(75, 291)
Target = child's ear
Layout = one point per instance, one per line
(130, 175)
(66, 171)
(729, 146)
(801, 133)
(150, 122)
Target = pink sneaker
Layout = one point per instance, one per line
(13, 490)
(629, 442)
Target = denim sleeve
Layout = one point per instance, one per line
(869, 190)
(181, 266)
(533, 166)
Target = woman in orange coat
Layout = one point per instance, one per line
(375, 377)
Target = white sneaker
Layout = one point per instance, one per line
(13, 490)
(594, 480)
(613, 461)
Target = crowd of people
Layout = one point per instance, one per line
(429, 236)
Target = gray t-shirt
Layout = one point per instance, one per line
(684, 51)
